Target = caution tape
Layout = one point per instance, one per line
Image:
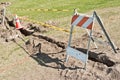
(45, 10)
(46, 25)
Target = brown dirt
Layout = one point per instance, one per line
(46, 55)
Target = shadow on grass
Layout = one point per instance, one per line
(43, 59)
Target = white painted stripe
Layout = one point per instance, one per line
(77, 20)
(88, 22)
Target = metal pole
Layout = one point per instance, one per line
(70, 38)
(69, 42)
(101, 25)
(92, 39)
(88, 47)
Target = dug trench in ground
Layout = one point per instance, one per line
(68, 71)
(96, 57)
(99, 62)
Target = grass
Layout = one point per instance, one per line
(83, 6)
(62, 18)
(10, 53)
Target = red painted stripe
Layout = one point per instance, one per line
(82, 21)
(90, 26)
(74, 18)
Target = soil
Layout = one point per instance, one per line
(44, 58)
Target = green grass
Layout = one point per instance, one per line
(82, 5)
(62, 18)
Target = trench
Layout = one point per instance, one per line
(96, 57)
(103, 59)
(58, 43)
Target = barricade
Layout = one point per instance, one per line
(85, 22)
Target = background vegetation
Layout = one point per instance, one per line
(82, 5)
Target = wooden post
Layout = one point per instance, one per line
(3, 16)
(4, 21)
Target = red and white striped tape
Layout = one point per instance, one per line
(82, 21)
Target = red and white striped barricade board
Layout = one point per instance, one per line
(82, 21)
